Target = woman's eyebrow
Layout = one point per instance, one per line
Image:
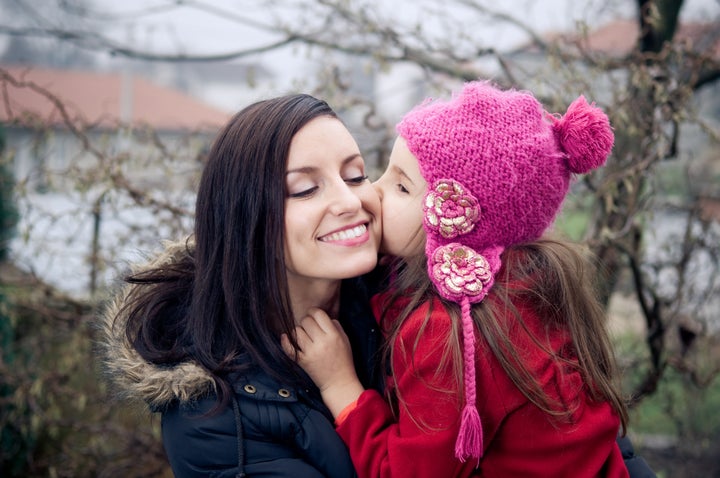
(310, 169)
(303, 170)
(351, 158)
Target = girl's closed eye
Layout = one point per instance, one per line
(402, 188)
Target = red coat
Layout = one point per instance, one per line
(519, 439)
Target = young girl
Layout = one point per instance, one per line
(499, 361)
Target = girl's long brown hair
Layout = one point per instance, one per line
(557, 280)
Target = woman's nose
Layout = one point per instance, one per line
(345, 200)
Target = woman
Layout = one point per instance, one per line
(284, 212)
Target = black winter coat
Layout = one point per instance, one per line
(283, 433)
(268, 429)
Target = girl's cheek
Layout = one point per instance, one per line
(388, 212)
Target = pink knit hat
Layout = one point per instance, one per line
(498, 168)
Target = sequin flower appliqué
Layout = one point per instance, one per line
(459, 271)
(449, 209)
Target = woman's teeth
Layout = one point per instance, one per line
(356, 231)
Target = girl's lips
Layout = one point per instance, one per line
(350, 234)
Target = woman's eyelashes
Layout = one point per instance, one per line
(309, 191)
(356, 180)
(303, 193)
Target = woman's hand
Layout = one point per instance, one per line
(326, 356)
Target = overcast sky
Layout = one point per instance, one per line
(220, 26)
(209, 27)
(197, 29)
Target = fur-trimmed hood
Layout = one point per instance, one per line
(132, 376)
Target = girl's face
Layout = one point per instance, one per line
(332, 212)
(402, 189)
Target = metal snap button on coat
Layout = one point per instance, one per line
(284, 393)
(250, 388)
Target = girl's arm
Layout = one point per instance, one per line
(418, 438)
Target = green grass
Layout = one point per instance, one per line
(679, 408)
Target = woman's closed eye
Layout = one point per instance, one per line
(356, 180)
(303, 193)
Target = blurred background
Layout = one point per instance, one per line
(107, 109)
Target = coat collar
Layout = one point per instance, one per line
(133, 377)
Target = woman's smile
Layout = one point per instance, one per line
(354, 234)
(332, 212)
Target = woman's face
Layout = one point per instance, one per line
(402, 189)
(332, 212)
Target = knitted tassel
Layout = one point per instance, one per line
(469, 443)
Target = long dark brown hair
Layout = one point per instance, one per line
(556, 279)
(228, 296)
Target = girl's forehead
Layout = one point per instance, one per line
(403, 162)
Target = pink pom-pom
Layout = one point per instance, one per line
(585, 135)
